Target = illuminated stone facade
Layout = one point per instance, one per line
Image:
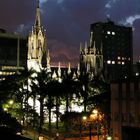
(37, 44)
(91, 59)
(39, 56)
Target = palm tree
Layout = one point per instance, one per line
(33, 95)
(70, 87)
(84, 80)
(40, 85)
(54, 90)
(22, 95)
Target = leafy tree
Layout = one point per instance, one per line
(100, 98)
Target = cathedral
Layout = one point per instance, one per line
(36, 44)
(38, 55)
(91, 59)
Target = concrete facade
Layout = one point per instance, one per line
(125, 110)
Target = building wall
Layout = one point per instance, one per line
(13, 52)
(125, 108)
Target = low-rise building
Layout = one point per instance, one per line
(13, 53)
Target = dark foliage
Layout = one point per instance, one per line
(9, 122)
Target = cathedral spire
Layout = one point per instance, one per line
(38, 3)
(69, 68)
(48, 62)
(37, 44)
(37, 18)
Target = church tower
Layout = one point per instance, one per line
(37, 44)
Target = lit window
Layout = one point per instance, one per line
(137, 74)
(108, 62)
(113, 62)
(119, 57)
(108, 32)
(122, 58)
(123, 63)
(113, 33)
(119, 62)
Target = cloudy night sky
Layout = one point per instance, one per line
(67, 22)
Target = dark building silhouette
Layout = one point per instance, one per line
(125, 109)
(115, 41)
(13, 53)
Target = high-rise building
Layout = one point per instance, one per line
(115, 41)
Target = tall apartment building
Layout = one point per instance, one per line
(13, 53)
(115, 41)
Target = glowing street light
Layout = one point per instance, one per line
(95, 111)
(84, 118)
(11, 102)
(96, 116)
(5, 109)
(109, 138)
(93, 116)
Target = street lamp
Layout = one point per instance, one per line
(109, 138)
(8, 105)
(90, 133)
(95, 116)
(11, 102)
(92, 117)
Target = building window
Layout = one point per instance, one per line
(113, 33)
(108, 32)
(119, 62)
(113, 62)
(137, 74)
(108, 62)
(123, 63)
(119, 57)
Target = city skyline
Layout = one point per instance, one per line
(67, 23)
